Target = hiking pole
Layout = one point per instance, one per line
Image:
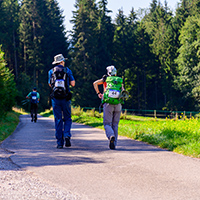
(100, 106)
(24, 101)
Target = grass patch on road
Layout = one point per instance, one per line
(181, 136)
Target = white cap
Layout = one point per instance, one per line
(111, 70)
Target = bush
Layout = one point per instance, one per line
(8, 87)
(78, 111)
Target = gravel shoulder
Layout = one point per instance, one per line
(20, 184)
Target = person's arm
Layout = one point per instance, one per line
(38, 97)
(28, 96)
(96, 87)
(72, 83)
(49, 77)
(71, 78)
(123, 87)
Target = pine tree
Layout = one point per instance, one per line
(85, 51)
(127, 57)
(182, 13)
(161, 28)
(105, 31)
(195, 7)
(188, 61)
(42, 36)
(8, 89)
(9, 23)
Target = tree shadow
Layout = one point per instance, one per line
(34, 145)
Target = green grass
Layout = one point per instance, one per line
(8, 124)
(180, 136)
(47, 113)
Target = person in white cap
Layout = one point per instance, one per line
(59, 79)
(112, 87)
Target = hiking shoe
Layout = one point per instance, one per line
(67, 142)
(59, 147)
(112, 143)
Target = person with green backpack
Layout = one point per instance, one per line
(112, 103)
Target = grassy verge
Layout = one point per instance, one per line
(8, 124)
(180, 136)
(47, 113)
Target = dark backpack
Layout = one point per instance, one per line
(59, 83)
(34, 97)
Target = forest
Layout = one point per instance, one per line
(155, 50)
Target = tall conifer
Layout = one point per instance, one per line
(9, 23)
(42, 36)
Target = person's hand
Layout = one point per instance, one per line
(100, 95)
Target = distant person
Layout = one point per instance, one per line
(34, 97)
(59, 79)
(111, 99)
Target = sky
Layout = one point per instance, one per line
(68, 6)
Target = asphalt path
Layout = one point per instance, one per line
(89, 169)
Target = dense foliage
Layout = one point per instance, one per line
(155, 50)
(38, 34)
(7, 85)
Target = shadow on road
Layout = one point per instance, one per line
(34, 144)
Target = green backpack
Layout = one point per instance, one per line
(113, 90)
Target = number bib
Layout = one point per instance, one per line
(114, 93)
(34, 97)
(60, 83)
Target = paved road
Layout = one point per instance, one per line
(89, 169)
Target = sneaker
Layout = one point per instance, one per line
(67, 142)
(32, 120)
(59, 147)
(112, 142)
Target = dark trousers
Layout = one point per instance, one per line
(34, 109)
(62, 113)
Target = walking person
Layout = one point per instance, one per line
(112, 88)
(34, 97)
(59, 79)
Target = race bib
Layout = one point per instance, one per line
(34, 97)
(60, 83)
(114, 93)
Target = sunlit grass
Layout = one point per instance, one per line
(47, 113)
(181, 136)
(8, 124)
(19, 110)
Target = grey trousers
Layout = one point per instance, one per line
(111, 117)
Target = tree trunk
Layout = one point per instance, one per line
(15, 56)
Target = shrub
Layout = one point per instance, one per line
(8, 87)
